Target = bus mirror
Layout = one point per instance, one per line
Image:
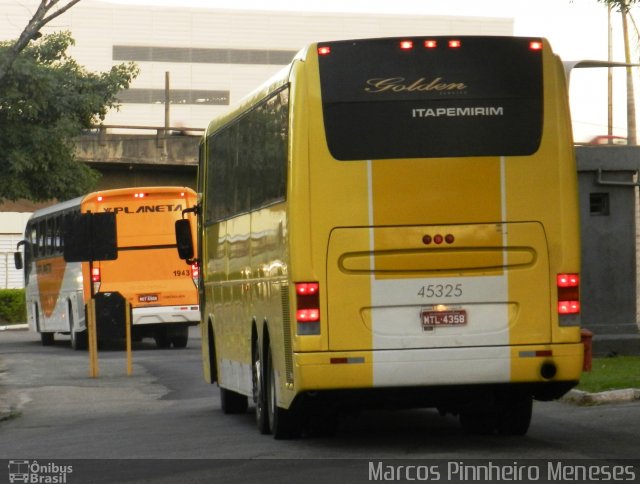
(17, 260)
(184, 240)
(17, 256)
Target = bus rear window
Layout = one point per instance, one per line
(432, 97)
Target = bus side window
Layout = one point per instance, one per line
(57, 235)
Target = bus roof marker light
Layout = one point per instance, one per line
(455, 44)
(406, 44)
(100, 198)
(430, 44)
(324, 50)
(535, 45)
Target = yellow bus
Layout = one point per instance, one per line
(394, 223)
(147, 271)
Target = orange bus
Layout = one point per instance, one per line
(147, 271)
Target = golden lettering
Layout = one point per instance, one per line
(400, 84)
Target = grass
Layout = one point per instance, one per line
(611, 374)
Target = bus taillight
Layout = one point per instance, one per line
(96, 279)
(195, 273)
(308, 308)
(568, 293)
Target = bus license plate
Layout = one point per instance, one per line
(432, 319)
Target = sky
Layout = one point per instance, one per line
(577, 30)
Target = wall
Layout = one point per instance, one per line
(608, 183)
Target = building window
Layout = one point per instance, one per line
(176, 96)
(201, 55)
(599, 203)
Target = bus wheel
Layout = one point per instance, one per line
(232, 402)
(78, 338)
(162, 338)
(47, 339)
(515, 415)
(258, 389)
(478, 421)
(282, 422)
(180, 337)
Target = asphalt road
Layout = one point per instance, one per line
(149, 426)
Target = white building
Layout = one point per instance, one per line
(214, 57)
(12, 226)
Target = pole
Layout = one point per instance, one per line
(609, 74)
(127, 322)
(167, 114)
(93, 339)
(631, 103)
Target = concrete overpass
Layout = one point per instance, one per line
(128, 156)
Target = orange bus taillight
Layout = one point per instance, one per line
(96, 279)
(568, 293)
(195, 273)
(308, 308)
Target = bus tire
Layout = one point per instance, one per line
(232, 402)
(478, 422)
(515, 415)
(283, 423)
(78, 338)
(179, 337)
(259, 393)
(47, 339)
(162, 338)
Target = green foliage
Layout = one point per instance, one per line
(12, 306)
(611, 374)
(46, 100)
(619, 5)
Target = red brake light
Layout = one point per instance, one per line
(568, 307)
(568, 280)
(307, 315)
(568, 293)
(406, 44)
(308, 308)
(430, 44)
(195, 271)
(455, 44)
(95, 274)
(307, 288)
(324, 50)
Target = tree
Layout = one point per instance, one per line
(46, 11)
(624, 6)
(46, 100)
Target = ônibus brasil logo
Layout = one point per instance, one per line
(35, 472)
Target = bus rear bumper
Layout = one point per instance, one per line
(545, 366)
(166, 315)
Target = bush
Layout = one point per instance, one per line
(12, 306)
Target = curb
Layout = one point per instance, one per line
(14, 327)
(580, 397)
